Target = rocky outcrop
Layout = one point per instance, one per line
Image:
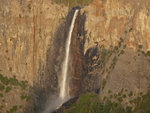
(76, 55)
(27, 31)
(27, 28)
(110, 48)
(108, 20)
(120, 31)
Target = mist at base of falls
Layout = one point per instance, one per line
(53, 103)
(56, 102)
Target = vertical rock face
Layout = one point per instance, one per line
(108, 20)
(77, 56)
(120, 31)
(80, 79)
(110, 46)
(27, 31)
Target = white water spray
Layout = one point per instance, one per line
(64, 88)
(56, 102)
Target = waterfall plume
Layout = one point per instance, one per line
(64, 86)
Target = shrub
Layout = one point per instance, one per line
(4, 79)
(87, 103)
(109, 91)
(2, 87)
(103, 56)
(140, 46)
(116, 48)
(124, 46)
(148, 53)
(25, 97)
(1, 95)
(119, 44)
(124, 96)
(103, 83)
(113, 63)
(122, 52)
(143, 105)
(9, 83)
(120, 99)
(13, 109)
(130, 94)
(121, 39)
(8, 88)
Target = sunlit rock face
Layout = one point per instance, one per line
(120, 30)
(27, 28)
(32, 42)
(108, 20)
(27, 31)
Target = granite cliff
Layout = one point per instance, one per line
(110, 49)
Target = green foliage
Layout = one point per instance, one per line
(103, 83)
(113, 63)
(124, 96)
(143, 104)
(109, 91)
(140, 46)
(126, 90)
(119, 44)
(121, 39)
(129, 109)
(23, 84)
(13, 81)
(25, 97)
(112, 107)
(103, 71)
(122, 90)
(1, 107)
(4, 79)
(10, 83)
(103, 56)
(120, 99)
(116, 48)
(148, 53)
(143, 52)
(8, 88)
(2, 87)
(1, 95)
(87, 103)
(13, 109)
(73, 3)
(130, 94)
(124, 46)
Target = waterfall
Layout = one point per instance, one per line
(56, 102)
(64, 85)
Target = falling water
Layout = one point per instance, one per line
(64, 89)
(56, 102)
